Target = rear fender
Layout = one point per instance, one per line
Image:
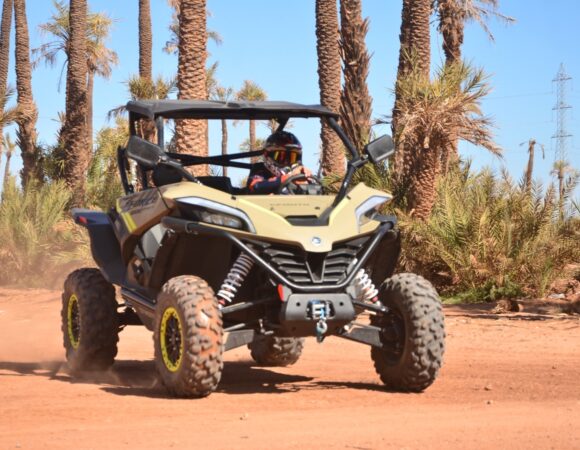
(104, 244)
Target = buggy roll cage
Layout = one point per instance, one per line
(159, 110)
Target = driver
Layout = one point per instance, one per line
(282, 160)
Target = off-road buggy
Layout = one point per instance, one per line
(208, 267)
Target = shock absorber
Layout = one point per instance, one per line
(368, 291)
(236, 276)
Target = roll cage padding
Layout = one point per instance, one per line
(104, 244)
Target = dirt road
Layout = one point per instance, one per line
(507, 383)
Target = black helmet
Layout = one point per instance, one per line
(282, 149)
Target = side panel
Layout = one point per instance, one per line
(137, 213)
(205, 256)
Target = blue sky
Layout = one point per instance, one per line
(273, 43)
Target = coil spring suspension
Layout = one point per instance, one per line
(236, 276)
(368, 290)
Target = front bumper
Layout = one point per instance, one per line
(300, 313)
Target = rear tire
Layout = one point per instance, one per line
(275, 351)
(188, 336)
(413, 334)
(90, 323)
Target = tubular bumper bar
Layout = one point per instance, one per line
(186, 226)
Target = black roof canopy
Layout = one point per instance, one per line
(207, 109)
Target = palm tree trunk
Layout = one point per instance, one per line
(6, 171)
(530, 168)
(5, 29)
(26, 133)
(415, 52)
(224, 144)
(355, 102)
(423, 184)
(252, 135)
(191, 77)
(451, 25)
(145, 40)
(252, 125)
(332, 158)
(90, 89)
(561, 194)
(75, 128)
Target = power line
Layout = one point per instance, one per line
(530, 94)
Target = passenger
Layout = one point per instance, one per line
(282, 160)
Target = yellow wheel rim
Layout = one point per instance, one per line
(73, 321)
(171, 339)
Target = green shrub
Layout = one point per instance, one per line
(38, 238)
(103, 182)
(489, 292)
(488, 237)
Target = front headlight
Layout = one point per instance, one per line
(214, 213)
(223, 220)
(365, 211)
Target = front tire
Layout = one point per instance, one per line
(188, 336)
(412, 333)
(90, 323)
(275, 351)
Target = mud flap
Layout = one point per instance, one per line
(104, 244)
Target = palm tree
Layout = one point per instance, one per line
(453, 14)
(145, 40)
(355, 102)
(9, 145)
(5, 29)
(414, 54)
(191, 135)
(223, 94)
(428, 110)
(560, 169)
(74, 132)
(332, 158)
(529, 173)
(145, 89)
(8, 116)
(26, 134)
(100, 59)
(172, 45)
(251, 92)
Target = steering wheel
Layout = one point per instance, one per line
(295, 188)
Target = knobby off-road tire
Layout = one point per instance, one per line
(275, 351)
(413, 334)
(90, 323)
(188, 337)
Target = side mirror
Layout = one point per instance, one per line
(380, 149)
(145, 153)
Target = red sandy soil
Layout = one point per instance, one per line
(508, 382)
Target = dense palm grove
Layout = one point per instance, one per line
(478, 234)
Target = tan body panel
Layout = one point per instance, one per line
(267, 214)
(142, 210)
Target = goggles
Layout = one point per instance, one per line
(285, 157)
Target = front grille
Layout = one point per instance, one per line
(307, 268)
